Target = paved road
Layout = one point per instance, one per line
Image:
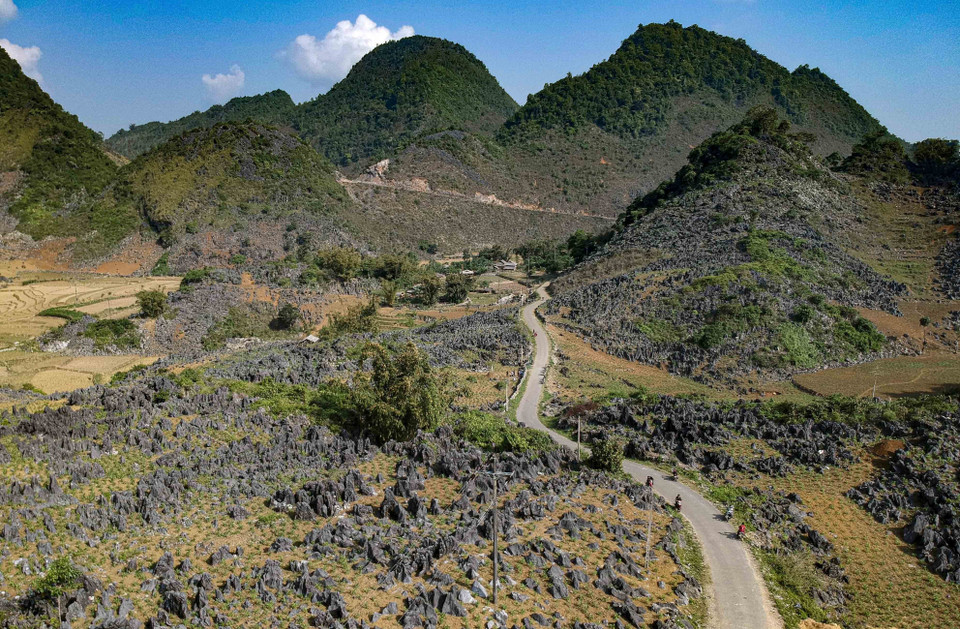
(739, 598)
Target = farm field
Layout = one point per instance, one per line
(23, 298)
(934, 373)
(56, 373)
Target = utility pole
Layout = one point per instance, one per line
(496, 474)
(646, 555)
(579, 457)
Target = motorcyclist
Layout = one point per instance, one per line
(676, 474)
(729, 514)
(650, 481)
(678, 502)
(741, 531)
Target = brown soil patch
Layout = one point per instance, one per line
(887, 447)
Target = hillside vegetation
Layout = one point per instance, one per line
(398, 91)
(50, 163)
(274, 107)
(740, 284)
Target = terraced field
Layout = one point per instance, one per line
(27, 295)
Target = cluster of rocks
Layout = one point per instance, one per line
(696, 433)
(780, 527)
(192, 453)
(920, 487)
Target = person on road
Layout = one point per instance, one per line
(729, 515)
(650, 481)
(676, 474)
(678, 502)
(742, 531)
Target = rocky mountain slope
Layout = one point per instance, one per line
(720, 273)
(274, 108)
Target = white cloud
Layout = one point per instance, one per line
(223, 87)
(28, 58)
(8, 10)
(328, 60)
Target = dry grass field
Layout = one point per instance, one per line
(55, 373)
(891, 587)
(30, 293)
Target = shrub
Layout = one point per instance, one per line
(237, 259)
(607, 455)
(401, 395)
(119, 333)
(288, 317)
(342, 262)
(162, 267)
(69, 314)
(195, 276)
(152, 303)
(491, 432)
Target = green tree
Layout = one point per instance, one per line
(430, 289)
(344, 263)
(288, 317)
(389, 288)
(458, 287)
(607, 455)
(879, 156)
(152, 303)
(937, 157)
(401, 394)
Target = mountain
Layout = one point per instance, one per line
(50, 163)
(737, 268)
(272, 108)
(400, 90)
(594, 142)
(233, 188)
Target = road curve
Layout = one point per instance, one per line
(738, 597)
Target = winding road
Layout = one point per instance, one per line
(738, 598)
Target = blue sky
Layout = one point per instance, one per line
(113, 62)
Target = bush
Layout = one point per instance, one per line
(162, 267)
(119, 333)
(491, 432)
(195, 276)
(288, 317)
(342, 262)
(152, 303)
(401, 395)
(607, 455)
(69, 314)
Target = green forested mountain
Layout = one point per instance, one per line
(50, 163)
(273, 108)
(398, 91)
(664, 67)
(594, 142)
(226, 175)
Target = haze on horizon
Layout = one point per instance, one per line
(114, 63)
